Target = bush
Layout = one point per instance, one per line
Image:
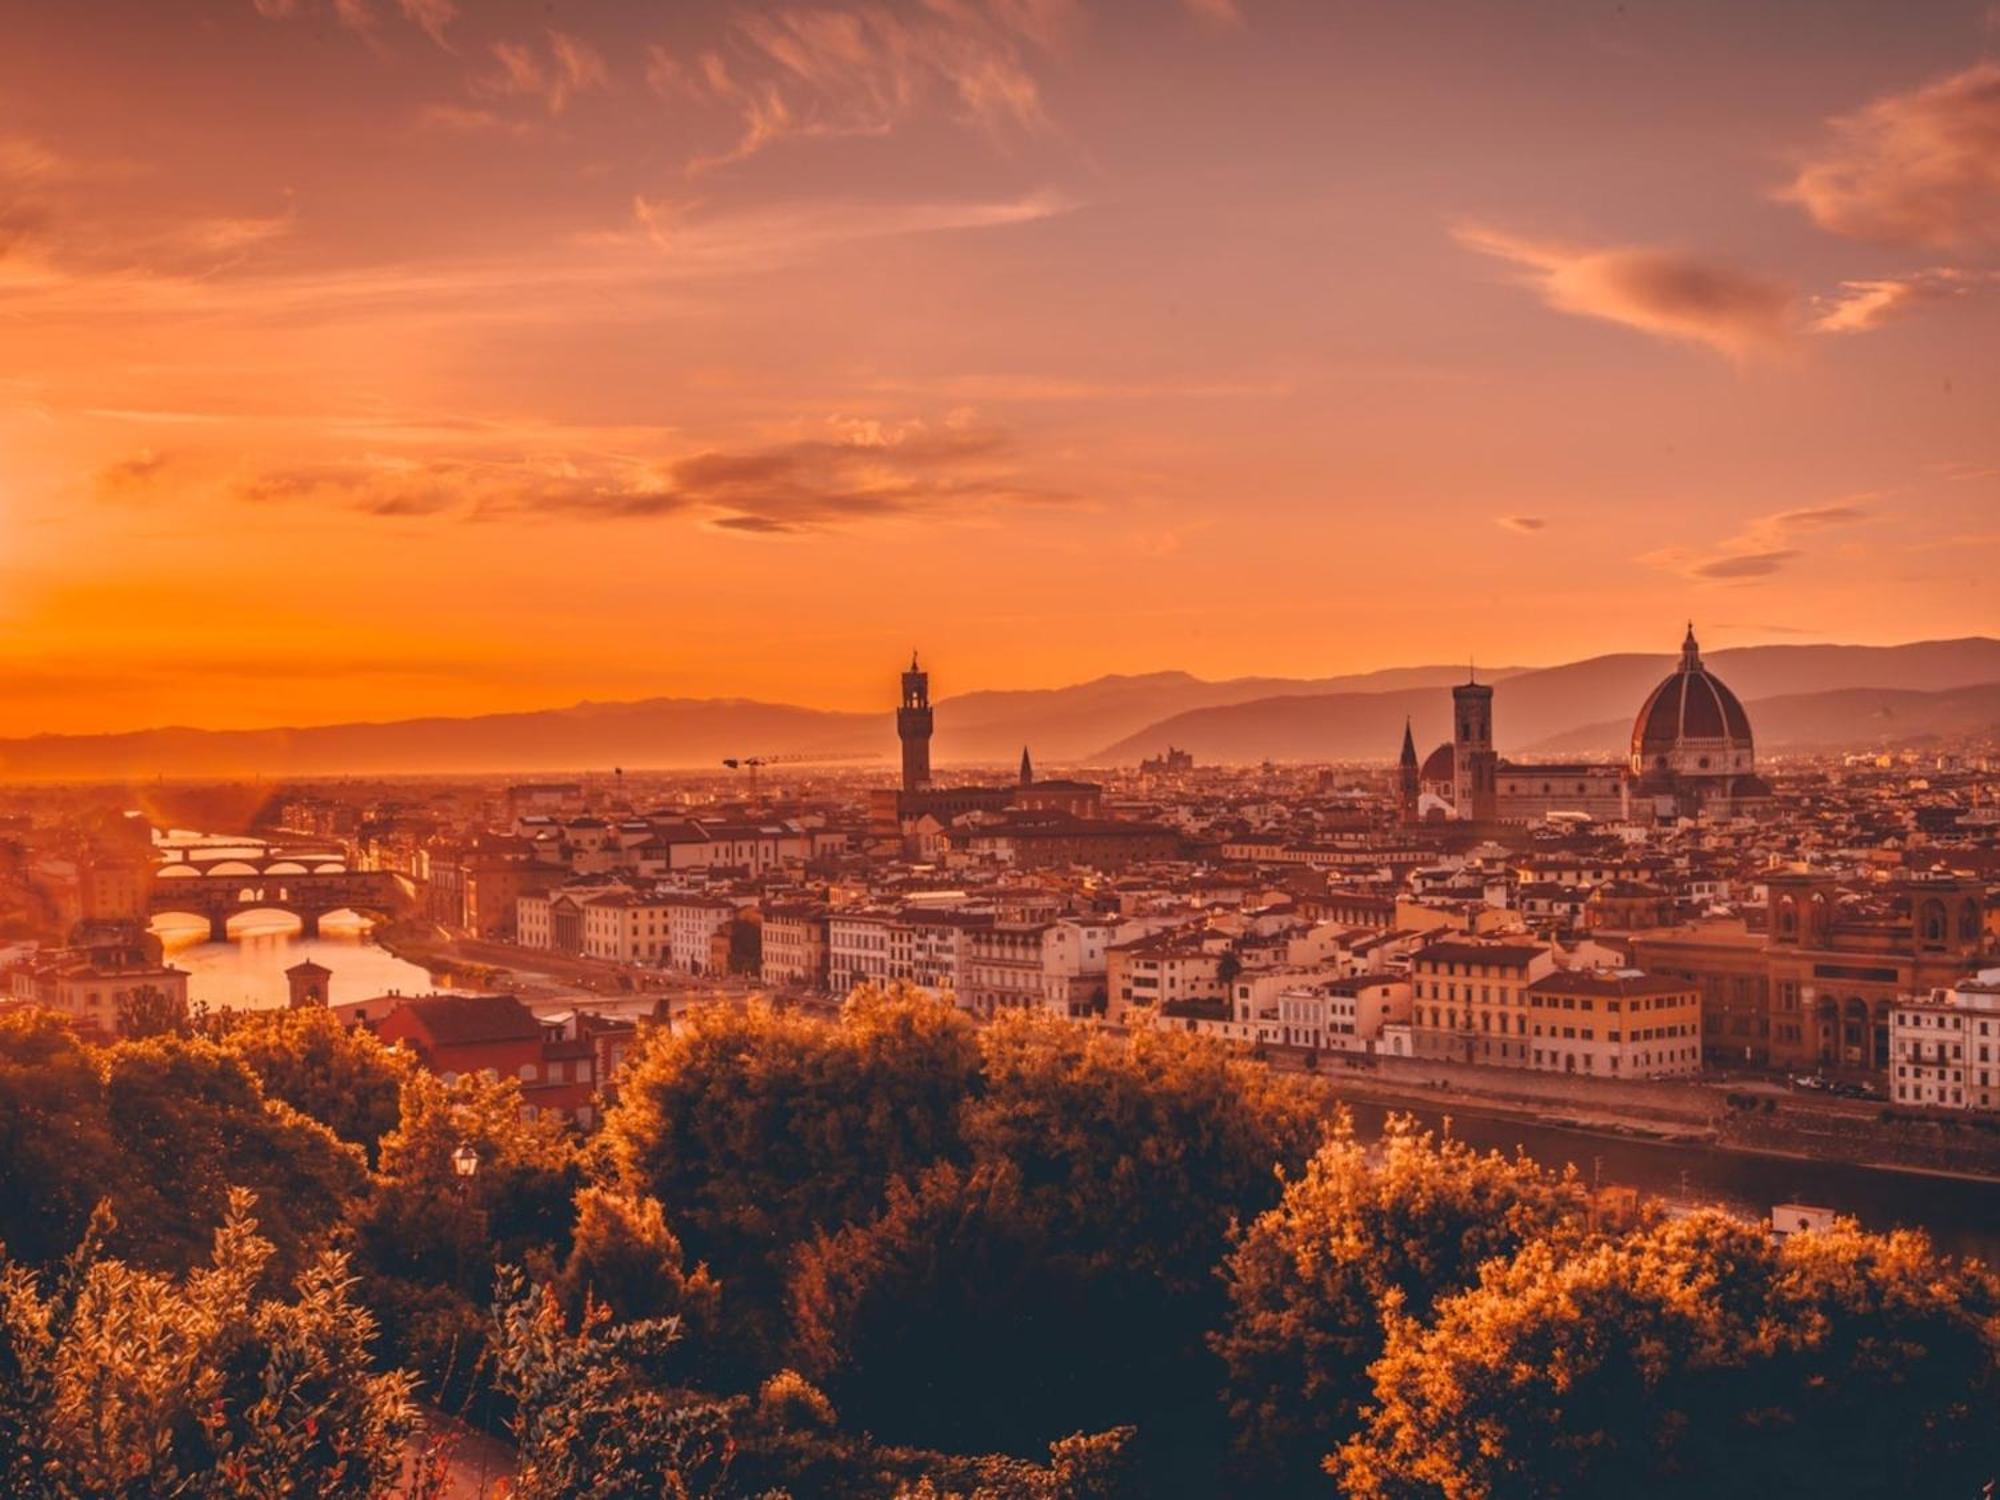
(1363, 1230)
(118, 1382)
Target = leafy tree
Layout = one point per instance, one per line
(428, 1223)
(1690, 1359)
(746, 946)
(57, 1155)
(190, 1122)
(151, 1011)
(1139, 1153)
(341, 1076)
(1879, 1360)
(887, 1315)
(1077, 1253)
(122, 1384)
(429, 1241)
(594, 1419)
(625, 1260)
(759, 1127)
(1400, 1224)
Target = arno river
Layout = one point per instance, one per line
(248, 973)
(1961, 1214)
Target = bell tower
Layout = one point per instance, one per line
(1475, 767)
(1407, 774)
(913, 727)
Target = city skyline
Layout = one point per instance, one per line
(373, 358)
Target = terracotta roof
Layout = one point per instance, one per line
(458, 1020)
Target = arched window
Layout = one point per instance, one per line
(1968, 922)
(1933, 925)
(1788, 918)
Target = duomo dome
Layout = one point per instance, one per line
(1691, 726)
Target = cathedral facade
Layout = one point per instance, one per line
(1691, 756)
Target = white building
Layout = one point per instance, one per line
(692, 923)
(857, 948)
(1073, 962)
(1944, 1048)
(1001, 967)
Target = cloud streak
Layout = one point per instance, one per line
(1767, 546)
(861, 471)
(1665, 293)
(1860, 306)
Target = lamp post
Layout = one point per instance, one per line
(464, 1167)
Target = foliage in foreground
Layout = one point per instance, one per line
(116, 1382)
(1693, 1358)
(1363, 1230)
(898, 1256)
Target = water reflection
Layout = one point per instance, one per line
(248, 973)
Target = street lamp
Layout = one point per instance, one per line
(465, 1162)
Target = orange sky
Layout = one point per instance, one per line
(364, 358)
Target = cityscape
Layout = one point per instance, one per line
(999, 750)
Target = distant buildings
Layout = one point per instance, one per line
(105, 967)
(1691, 756)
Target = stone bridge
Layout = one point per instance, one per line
(306, 886)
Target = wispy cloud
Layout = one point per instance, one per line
(1863, 305)
(797, 72)
(1666, 293)
(854, 472)
(663, 246)
(132, 475)
(554, 71)
(1766, 546)
(433, 16)
(1525, 524)
(1919, 168)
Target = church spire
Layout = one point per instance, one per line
(1409, 756)
(1027, 768)
(1690, 652)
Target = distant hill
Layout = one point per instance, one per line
(1844, 719)
(1060, 724)
(657, 732)
(1911, 691)
(1571, 706)
(1057, 723)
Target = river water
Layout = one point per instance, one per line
(1960, 1214)
(248, 972)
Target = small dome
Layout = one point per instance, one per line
(1440, 765)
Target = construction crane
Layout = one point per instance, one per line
(753, 763)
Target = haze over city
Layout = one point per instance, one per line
(373, 357)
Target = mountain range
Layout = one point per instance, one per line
(1798, 697)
